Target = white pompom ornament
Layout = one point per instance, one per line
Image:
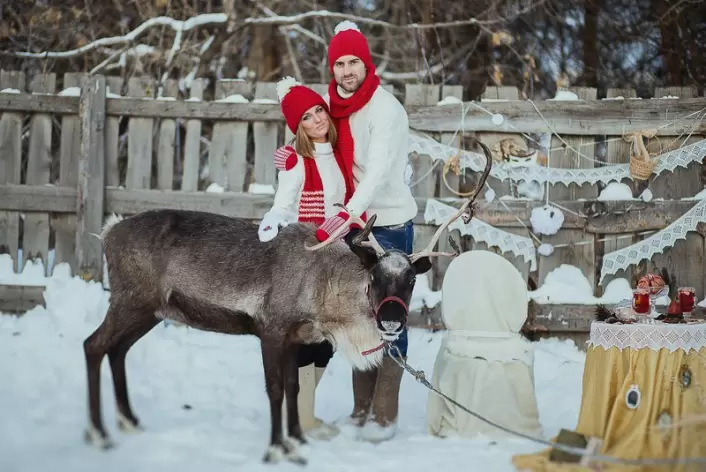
(546, 220)
(345, 25)
(285, 85)
(545, 249)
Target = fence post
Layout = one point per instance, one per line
(91, 179)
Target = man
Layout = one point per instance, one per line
(373, 135)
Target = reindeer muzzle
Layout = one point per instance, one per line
(391, 317)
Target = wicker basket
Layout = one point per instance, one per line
(641, 169)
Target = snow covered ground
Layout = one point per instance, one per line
(200, 397)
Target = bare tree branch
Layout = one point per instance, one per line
(221, 18)
(178, 26)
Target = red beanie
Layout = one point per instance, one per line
(348, 40)
(295, 99)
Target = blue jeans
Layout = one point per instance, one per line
(399, 237)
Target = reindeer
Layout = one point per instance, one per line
(211, 272)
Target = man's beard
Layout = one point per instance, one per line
(351, 87)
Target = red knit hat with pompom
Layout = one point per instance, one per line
(295, 99)
(348, 40)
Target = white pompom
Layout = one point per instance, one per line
(545, 249)
(646, 195)
(284, 85)
(345, 25)
(546, 220)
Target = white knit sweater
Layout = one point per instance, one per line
(291, 184)
(381, 135)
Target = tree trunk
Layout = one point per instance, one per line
(669, 43)
(263, 59)
(591, 62)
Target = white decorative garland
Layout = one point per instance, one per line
(668, 161)
(685, 337)
(521, 246)
(654, 244)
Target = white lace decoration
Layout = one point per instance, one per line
(521, 246)
(668, 161)
(654, 244)
(652, 336)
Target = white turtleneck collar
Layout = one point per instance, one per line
(342, 93)
(322, 149)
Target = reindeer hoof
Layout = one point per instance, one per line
(94, 437)
(274, 454)
(292, 452)
(297, 438)
(127, 425)
(289, 450)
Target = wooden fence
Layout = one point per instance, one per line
(67, 159)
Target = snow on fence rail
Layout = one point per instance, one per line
(69, 158)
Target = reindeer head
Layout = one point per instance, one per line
(392, 273)
(391, 277)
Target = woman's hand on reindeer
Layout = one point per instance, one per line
(285, 158)
(269, 227)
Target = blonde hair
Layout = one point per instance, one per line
(303, 143)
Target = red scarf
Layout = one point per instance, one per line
(341, 109)
(311, 204)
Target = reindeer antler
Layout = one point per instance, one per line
(466, 210)
(367, 234)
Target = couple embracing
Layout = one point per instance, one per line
(350, 147)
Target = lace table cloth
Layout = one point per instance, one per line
(655, 336)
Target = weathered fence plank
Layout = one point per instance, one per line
(617, 152)
(227, 159)
(69, 155)
(35, 240)
(573, 152)
(449, 186)
(490, 139)
(424, 179)
(681, 182)
(575, 247)
(501, 188)
(113, 176)
(167, 142)
(266, 136)
(10, 163)
(192, 144)
(91, 180)
(687, 259)
(140, 137)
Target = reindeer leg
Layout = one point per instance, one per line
(95, 347)
(127, 422)
(272, 361)
(291, 385)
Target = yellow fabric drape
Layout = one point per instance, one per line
(635, 433)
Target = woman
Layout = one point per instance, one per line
(312, 178)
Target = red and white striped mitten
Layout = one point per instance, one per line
(285, 158)
(331, 224)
